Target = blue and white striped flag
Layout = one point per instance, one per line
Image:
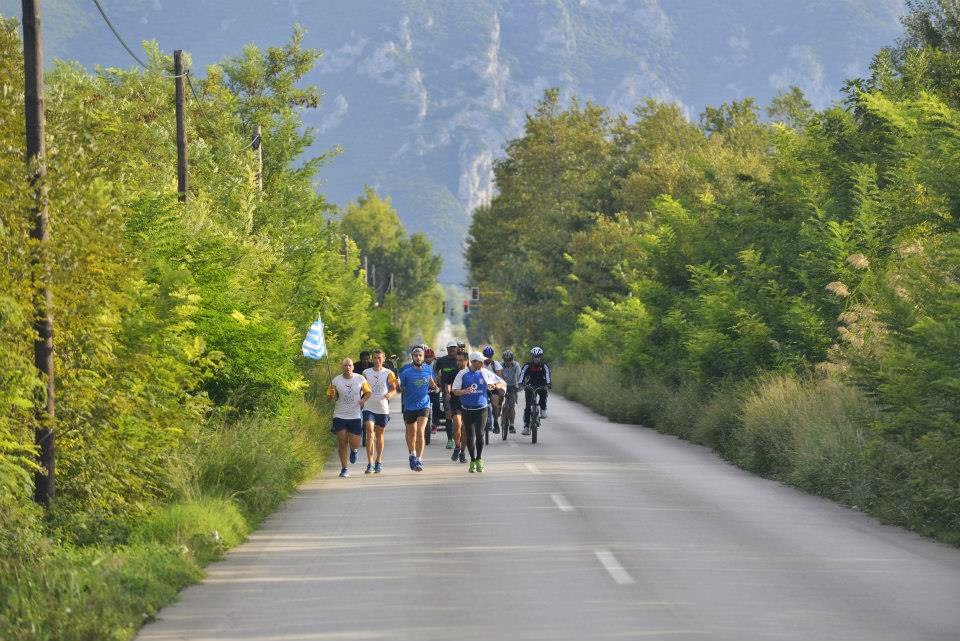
(315, 345)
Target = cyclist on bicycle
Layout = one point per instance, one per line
(496, 401)
(536, 374)
(511, 376)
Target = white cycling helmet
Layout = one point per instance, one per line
(536, 351)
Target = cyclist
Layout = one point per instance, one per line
(493, 416)
(536, 373)
(473, 387)
(350, 391)
(376, 411)
(456, 411)
(511, 376)
(416, 383)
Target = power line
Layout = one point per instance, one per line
(120, 39)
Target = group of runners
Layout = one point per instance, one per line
(471, 388)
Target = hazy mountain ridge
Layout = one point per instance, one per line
(422, 94)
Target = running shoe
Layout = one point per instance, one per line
(513, 430)
(449, 443)
(353, 456)
(413, 461)
(456, 454)
(369, 469)
(463, 457)
(543, 413)
(377, 468)
(496, 429)
(418, 466)
(473, 466)
(344, 473)
(433, 430)
(479, 464)
(526, 430)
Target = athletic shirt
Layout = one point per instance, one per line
(447, 368)
(416, 387)
(379, 385)
(481, 378)
(511, 374)
(349, 392)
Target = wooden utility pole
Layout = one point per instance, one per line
(181, 126)
(257, 145)
(366, 274)
(44, 481)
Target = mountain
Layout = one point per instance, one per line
(423, 94)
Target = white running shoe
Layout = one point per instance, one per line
(543, 413)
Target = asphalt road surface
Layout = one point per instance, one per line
(600, 531)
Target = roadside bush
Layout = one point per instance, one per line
(258, 459)
(91, 594)
(207, 527)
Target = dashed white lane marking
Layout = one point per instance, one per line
(613, 567)
(533, 469)
(561, 502)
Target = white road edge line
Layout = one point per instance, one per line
(613, 567)
(532, 468)
(561, 502)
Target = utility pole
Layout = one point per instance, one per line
(258, 149)
(44, 481)
(181, 126)
(373, 282)
(366, 273)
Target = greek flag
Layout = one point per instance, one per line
(315, 345)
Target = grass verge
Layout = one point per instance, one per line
(241, 472)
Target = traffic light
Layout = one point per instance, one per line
(474, 293)
(466, 307)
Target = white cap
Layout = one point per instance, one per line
(452, 344)
(476, 356)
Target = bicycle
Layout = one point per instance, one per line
(534, 411)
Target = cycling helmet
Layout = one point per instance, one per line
(428, 353)
(536, 351)
(488, 351)
(507, 354)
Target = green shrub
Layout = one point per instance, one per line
(719, 418)
(207, 527)
(91, 594)
(258, 460)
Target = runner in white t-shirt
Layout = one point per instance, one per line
(376, 411)
(350, 391)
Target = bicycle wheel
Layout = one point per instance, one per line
(534, 427)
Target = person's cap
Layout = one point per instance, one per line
(452, 344)
(476, 356)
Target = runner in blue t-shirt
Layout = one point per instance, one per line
(416, 383)
(473, 387)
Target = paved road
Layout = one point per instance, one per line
(601, 531)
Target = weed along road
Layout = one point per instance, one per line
(600, 531)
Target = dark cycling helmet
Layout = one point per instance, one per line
(507, 354)
(536, 351)
(488, 351)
